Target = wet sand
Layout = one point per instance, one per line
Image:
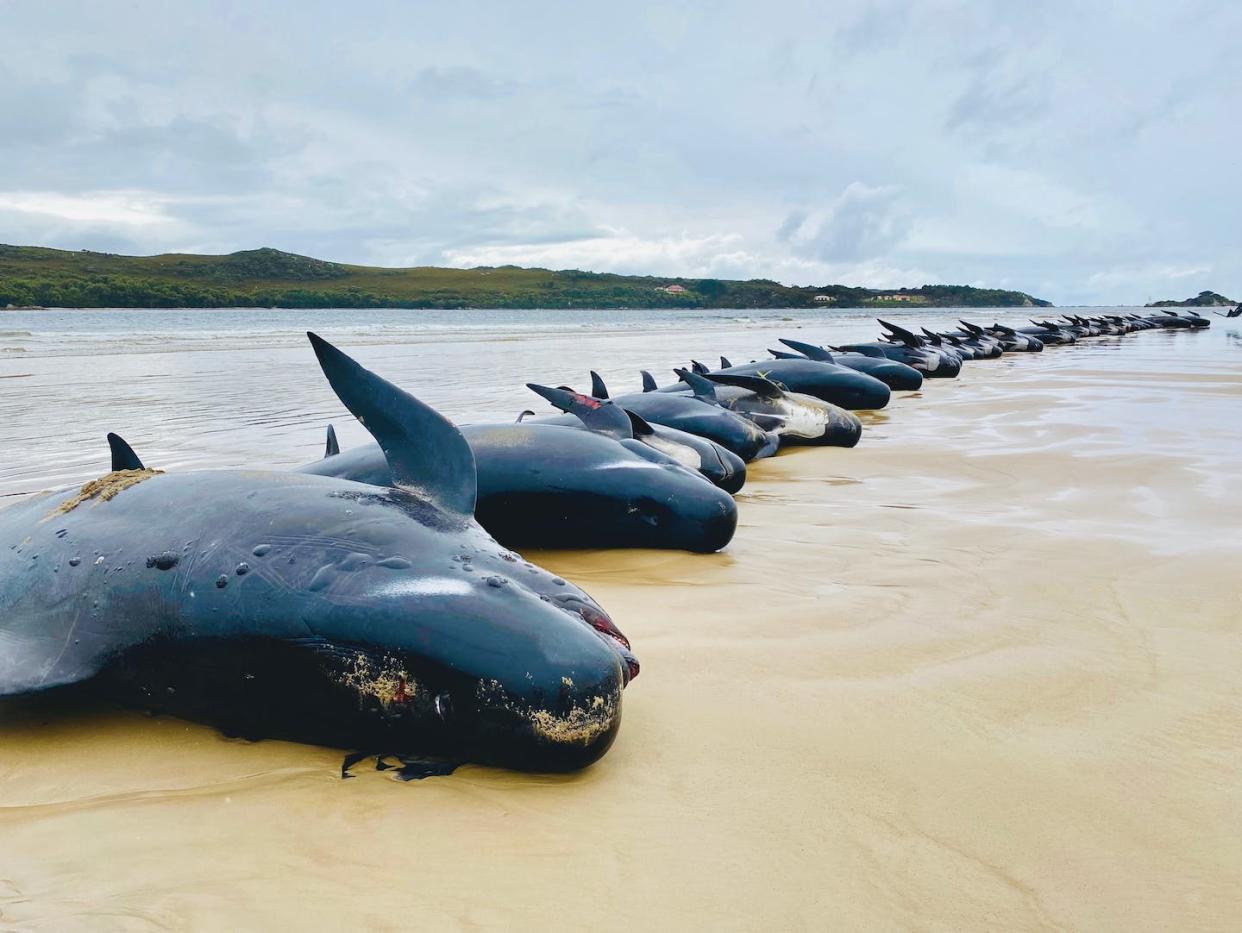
(982, 672)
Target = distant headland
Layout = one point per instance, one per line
(1204, 299)
(32, 276)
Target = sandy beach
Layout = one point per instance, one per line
(983, 672)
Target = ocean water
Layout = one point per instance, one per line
(231, 388)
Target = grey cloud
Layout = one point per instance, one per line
(862, 223)
(459, 81)
(788, 140)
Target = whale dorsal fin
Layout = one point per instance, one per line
(785, 355)
(973, 328)
(764, 388)
(809, 350)
(649, 383)
(933, 337)
(639, 425)
(698, 367)
(425, 452)
(524, 414)
(702, 388)
(123, 456)
(864, 349)
(598, 389)
(331, 447)
(900, 333)
(598, 415)
(724, 363)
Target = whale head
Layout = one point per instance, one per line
(436, 633)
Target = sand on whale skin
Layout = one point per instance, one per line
(982, 672)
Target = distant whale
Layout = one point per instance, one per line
(897, 376)
(716, 463)
(829, 382)
(795, 418)
(549, 486)
(698, 416)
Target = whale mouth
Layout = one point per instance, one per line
(599, 620)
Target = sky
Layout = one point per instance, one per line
(1086, 152)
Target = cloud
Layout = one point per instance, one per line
(862, 222)
(118, 208)
(887, 143)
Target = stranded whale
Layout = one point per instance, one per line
(312, 608)
(548, 485)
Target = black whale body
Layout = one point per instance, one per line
(313, 608)
(551, 486)
(897, 376)
(837, 385)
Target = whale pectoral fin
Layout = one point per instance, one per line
(598, 415)
(425, 451)
(123, 456)
(764, 388)
(350, 760)
(411, 767)
(418, 767)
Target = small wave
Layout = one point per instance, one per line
(15, 333)
(12, 349)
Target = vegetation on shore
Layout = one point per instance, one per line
(33, 276)
(1204, 299)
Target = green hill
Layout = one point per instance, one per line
(40, 277)
(1204, 299)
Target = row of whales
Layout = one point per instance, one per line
(369, 601)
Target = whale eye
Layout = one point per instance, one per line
(648, 510)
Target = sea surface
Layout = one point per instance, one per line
(981, 672)
(208, 388)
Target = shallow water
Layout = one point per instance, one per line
(981, 672)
